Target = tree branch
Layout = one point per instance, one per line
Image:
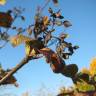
(15, 69)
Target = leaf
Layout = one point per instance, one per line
(29, 31)
(83, 76)
(93, 67)
(32, 47)
(14, 27)
(67, 23)
(55, 61)
(50, 10)
(58, 23)
(61, 17)
(20, 30)
(10, 80)
(2, 2)
(18, 39)
(4, 36)
(5, 20)
(76, 47)
(58, 15)
(45, 20)
(29, 51)
(70, 70)
(23, 18)
(86, 71)
(84, 87)
(55, 2)
(47, 52)
(63, 36)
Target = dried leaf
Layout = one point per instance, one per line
(5, 20)
(83, 76)
(67, 23)
(10, 80)
(52, 58)
(70, 70)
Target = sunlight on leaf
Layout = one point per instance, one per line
(32, 47)
(93, 67)
(18, 39)
(83, 86)
(2, 2)
(30, 51)
(86, 71)
(45, 20)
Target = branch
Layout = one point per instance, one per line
(67, 93)
(90, 93)
(15, 69)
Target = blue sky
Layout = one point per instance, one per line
(82, 15)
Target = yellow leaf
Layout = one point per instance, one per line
(83, 86)
(27, 49)
(33, 52)
(30, 51)
(93, 67)
(18, 39)
(85, 70)
(32, 46)
(2, 2)
(45, 20)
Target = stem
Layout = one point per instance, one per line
(15, 69)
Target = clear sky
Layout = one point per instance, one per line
(82, 15)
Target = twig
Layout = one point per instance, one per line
(15, 69)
